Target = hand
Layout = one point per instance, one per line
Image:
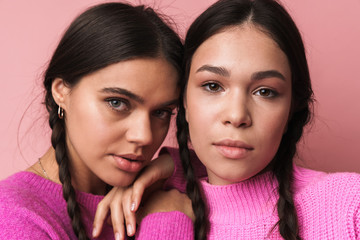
(124, 202)
(166, 201)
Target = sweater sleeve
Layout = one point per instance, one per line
(173, 225)
(177, 180)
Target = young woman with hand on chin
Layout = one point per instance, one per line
(243, 108)
(110, 90)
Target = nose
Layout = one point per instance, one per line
(139, 130)
(237, 111)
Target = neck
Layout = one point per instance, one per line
(47, 167)
(81, 180)
(86, 181)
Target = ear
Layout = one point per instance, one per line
(60, 92)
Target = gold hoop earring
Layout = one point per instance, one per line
(60, 112)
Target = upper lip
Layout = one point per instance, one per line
(233, 143)
(131, 156)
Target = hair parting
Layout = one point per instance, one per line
(272, 18)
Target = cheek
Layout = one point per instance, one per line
(272, 128)
(201, 125)
(198, 111)
(159, 134)
(88, 126)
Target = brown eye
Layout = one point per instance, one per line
(265, 92)
(212, 87)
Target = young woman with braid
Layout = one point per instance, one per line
(243, 108)
(110, 89)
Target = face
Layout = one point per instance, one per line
(237, 103)
(117, 117)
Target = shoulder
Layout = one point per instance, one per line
(311, 180)
(328, 201)
(340, 190)
(27, 209)
(26, 188)
(16, 188)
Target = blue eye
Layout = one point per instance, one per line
(265, 92)
(212, 87)
(118, 104)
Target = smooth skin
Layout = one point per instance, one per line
(237, 101)
(116, 118)
(123, 202)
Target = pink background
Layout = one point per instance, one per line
(30, 31)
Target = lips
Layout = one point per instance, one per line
(233, 149)
(129, 162)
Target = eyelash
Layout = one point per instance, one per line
(271, 92)
(169, 112)
(111, 101)
(206, 86)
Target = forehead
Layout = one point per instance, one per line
(243, 47)
(152, 79)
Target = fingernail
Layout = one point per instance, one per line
(129, 229)
(94, 232)
(132, 207)
(117, 236)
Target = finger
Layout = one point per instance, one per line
(137, 193)
(117, 216)
(129, 214)
(101, 213)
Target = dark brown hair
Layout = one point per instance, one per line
(104, 34)
(272, 18)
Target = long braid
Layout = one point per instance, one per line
(102, 35)
(288, 221)
(283, 170)
(193, 189)
(59, 144)
(273, 18)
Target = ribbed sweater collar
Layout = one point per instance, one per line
(251, 200)
(244, 202)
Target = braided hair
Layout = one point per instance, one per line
(273, 19)
(104, 34)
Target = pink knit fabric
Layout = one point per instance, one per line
(328, 207)
(32, 207)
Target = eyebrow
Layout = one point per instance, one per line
(217, 70)
(125, 92)
(135, 97)
(255, 76)
(169, 103)
(267, 74)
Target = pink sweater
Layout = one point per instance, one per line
(32, 207)
(328, 207)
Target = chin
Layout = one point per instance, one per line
(121, 182)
